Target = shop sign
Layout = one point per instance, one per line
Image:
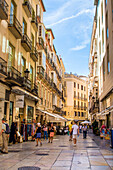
(20, 101)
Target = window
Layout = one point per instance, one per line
(40, 59)
(40, 31)
(84, 88)
(102, 12)
(23, 64)
(74, 85)
(100, 50)
(112, 9)
(108, 60)
(74, 93)
(78, 95)
(102, 40)
(107, 30)
(11, 56)
(79, 114)
(82, 114)
(31, 74)
(32, 39)
(81, 87)
(78, 86)
(104, 69)
(99, 27)
(24, 27)
(64, 83)
(74, 103)
(75, 113)
(106, 2)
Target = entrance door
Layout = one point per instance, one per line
(108, 120)
(11, 114)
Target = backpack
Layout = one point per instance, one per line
(7, 129)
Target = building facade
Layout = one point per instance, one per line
(104, 30)
(76, 97)
(30, 71)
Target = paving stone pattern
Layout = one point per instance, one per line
(60, 155)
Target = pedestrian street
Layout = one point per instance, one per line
(59, 155)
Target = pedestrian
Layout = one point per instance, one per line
(51, 133)
(70, 131)
(38, 134)
(75, 130)
(5, 136)
(84, 131)
(12, 134)
(45, 132)
(80, 128)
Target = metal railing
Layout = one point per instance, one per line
(34, 19)
(27, 40)
(3, 66)
(34, 51)
(13, 21)
(27, 3)
(4, 6)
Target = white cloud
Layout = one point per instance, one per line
(71, 17)
(79, 47)
(82, 46)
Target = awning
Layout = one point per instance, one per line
(50, 114)
(53, 115)
(18, 90)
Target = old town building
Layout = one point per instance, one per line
(104, 54)
(30, 69)
(76, 96)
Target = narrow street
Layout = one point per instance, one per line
(60, 155)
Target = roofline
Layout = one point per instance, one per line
(44, 10)
(49, 29)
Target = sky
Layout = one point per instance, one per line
(71, 22)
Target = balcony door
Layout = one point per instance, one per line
(24, 27)
(12, 12)
(31, 74)
(11, 55)
(23, 62)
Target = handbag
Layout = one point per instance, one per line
(51, 134)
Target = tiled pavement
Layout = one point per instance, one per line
(60, 155)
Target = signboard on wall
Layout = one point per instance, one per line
(20, 101)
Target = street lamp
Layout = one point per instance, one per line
(26, 73)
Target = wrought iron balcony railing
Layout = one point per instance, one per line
(15, 26)
(27, 7)
(3, 10)
(3, 67)
(26, 43)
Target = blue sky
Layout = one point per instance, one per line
(71, 22)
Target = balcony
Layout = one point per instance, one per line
(3, 68)
(26, 83)
(56, 109)
(15, 27)
(14, 76)
(34, 54)
(40, 71)
(3, 10)
(26, 43)
(34, 23)
(35, 89)
(27, 8)
(41, 42)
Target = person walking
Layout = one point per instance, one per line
(84, 131)
(38, 134)
(80, 128)
(51, 133)
(75, 130)
(70, 131)
(45, 132)
(5, 135)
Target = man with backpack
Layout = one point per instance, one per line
(5, 135)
